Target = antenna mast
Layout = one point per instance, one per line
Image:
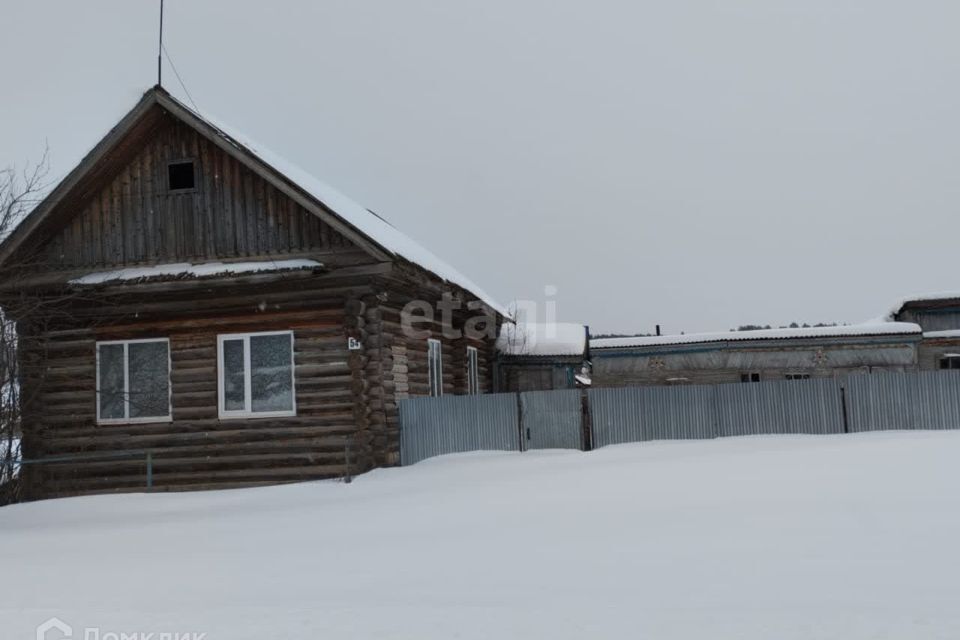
(160, 50)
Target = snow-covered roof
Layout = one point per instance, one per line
(542, 339)
(948, 333)
(935, 296)
(188, 270)
(869, 329)
(368, 223)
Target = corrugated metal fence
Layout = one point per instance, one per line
(554, 419)
(452, 424)
(926, 400)
(636, 414)
(784, 406)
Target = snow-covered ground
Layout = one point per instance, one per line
(766, 537)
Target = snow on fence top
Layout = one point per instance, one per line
(368, 223)
(542, 339)
(869, 329)
(919, 297)
(187, 270)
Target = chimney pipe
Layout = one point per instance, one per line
(658, 330)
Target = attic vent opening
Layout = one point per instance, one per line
(180, 176)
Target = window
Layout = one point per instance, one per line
(798, 376)
(133, 381)
(180, 176)
(950, 361)
(256, 375)
(435, 365)
(473, 371)
(753, 376)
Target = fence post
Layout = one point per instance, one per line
(523, 435)
(586, 422)
(149, 469)
(843, 407)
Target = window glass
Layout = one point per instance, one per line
(435, 364)
(110, 383)
(473, 371)
(133, 380)
(950, 362)
(149, 379)
(271, 382)
(234, 385)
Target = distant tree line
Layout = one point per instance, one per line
(792, 325)
(743, 327)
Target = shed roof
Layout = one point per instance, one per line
(844, 331)
(936, 296)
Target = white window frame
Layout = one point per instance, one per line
(247, 412)
(126, 383)
(435, 381)
(473, 371)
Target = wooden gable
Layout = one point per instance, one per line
(132, 216)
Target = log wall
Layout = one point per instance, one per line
(197, 449)
(347, 418)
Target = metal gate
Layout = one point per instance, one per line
(551, 419)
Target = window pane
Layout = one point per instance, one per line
(473, 377)
(271, 377)
(435, 367)
(149, 379)
(234, 392)
(110, 371)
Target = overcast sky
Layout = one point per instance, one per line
(698, 164)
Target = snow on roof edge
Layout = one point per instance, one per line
(933, 296)
(866, 329)
(943, 333)
(368, 223)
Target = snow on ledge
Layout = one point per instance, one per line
(542, 339)
(870, 329)
(186, 269)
